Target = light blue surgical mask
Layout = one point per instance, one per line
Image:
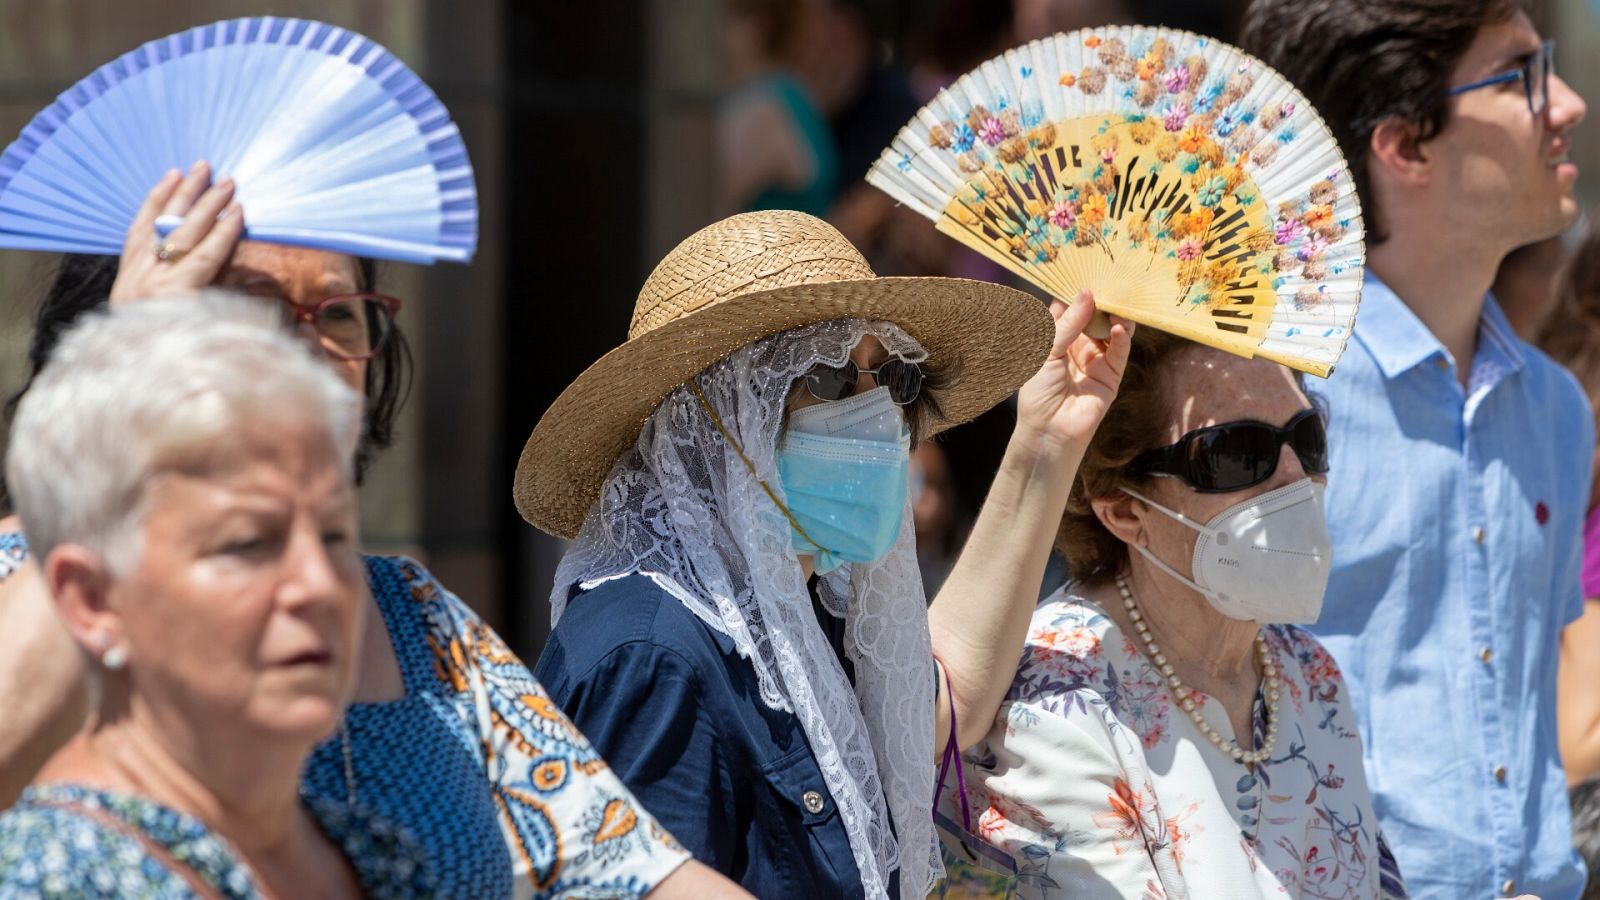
(845, 469)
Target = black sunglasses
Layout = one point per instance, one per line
(1236, 455)
(903, 379)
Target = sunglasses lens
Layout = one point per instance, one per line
(903, 379)
(1310, 442)
(1231, 457)
(831, 382)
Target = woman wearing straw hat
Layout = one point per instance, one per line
(739, 623)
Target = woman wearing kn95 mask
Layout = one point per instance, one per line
(1168, 710)
(740, 626)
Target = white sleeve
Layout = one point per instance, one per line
(1068, 797)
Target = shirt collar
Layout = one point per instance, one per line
(1398, 341)
(1391, 332)
(1496, 336)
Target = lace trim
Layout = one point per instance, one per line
(683, 509)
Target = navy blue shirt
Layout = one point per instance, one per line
(678, 715)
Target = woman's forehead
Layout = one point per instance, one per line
(1207, 387)
(254, 260)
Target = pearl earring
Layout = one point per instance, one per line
(115, 658)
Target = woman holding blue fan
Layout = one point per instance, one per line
(198, 541)
(449, 736)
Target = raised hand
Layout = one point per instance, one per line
(1062, 404)
(191, 256)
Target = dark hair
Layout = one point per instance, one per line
(1585, 799)
(83, 283)
(779, 21)
(1571, 335)
(1360, 62)
(963, 33)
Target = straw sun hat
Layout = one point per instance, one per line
(740, 280)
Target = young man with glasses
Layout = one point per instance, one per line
(1460, 454)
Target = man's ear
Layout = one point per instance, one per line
(1398, 151)
(80, 584)
(1120, 514)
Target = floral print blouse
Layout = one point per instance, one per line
(1100, 786)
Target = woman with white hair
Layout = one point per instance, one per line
(182, 467)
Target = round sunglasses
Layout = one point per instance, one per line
(1232, 456)
(903, 379)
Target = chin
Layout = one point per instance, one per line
(308, 719)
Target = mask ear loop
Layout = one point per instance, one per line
(1201, 527)
(717, 421)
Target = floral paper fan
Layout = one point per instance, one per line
(1185, 183)
(332, 141)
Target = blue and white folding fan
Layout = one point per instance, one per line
(332, 141)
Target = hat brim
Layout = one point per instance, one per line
(992, 337)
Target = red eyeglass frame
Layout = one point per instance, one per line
(307, 315)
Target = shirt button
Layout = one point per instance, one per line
(1477, 534)
(1499, 775)
(1509, 888)
(813, 802)
(1441, 363)
(1486, 654)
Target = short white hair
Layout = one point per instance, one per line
(128, 389)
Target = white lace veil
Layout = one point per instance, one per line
(682, 508)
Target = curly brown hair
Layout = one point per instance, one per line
(1136, 421)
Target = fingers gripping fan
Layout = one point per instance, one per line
(1189, 186)
(333, 143)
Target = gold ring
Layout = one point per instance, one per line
(170, 252)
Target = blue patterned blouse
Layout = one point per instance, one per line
(477, 762)
(51, 846)
(501, 793)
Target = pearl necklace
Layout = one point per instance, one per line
(1269, 674)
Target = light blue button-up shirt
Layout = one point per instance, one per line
(1457, 521)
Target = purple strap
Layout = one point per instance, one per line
(952, 752)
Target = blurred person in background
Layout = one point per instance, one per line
(1034, 19)
(42, 681)
(933, 512)
(1531, 281)
(1571, 335)
(1457, 503)
(873, 101)
(775, 149)
(1586, 832)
